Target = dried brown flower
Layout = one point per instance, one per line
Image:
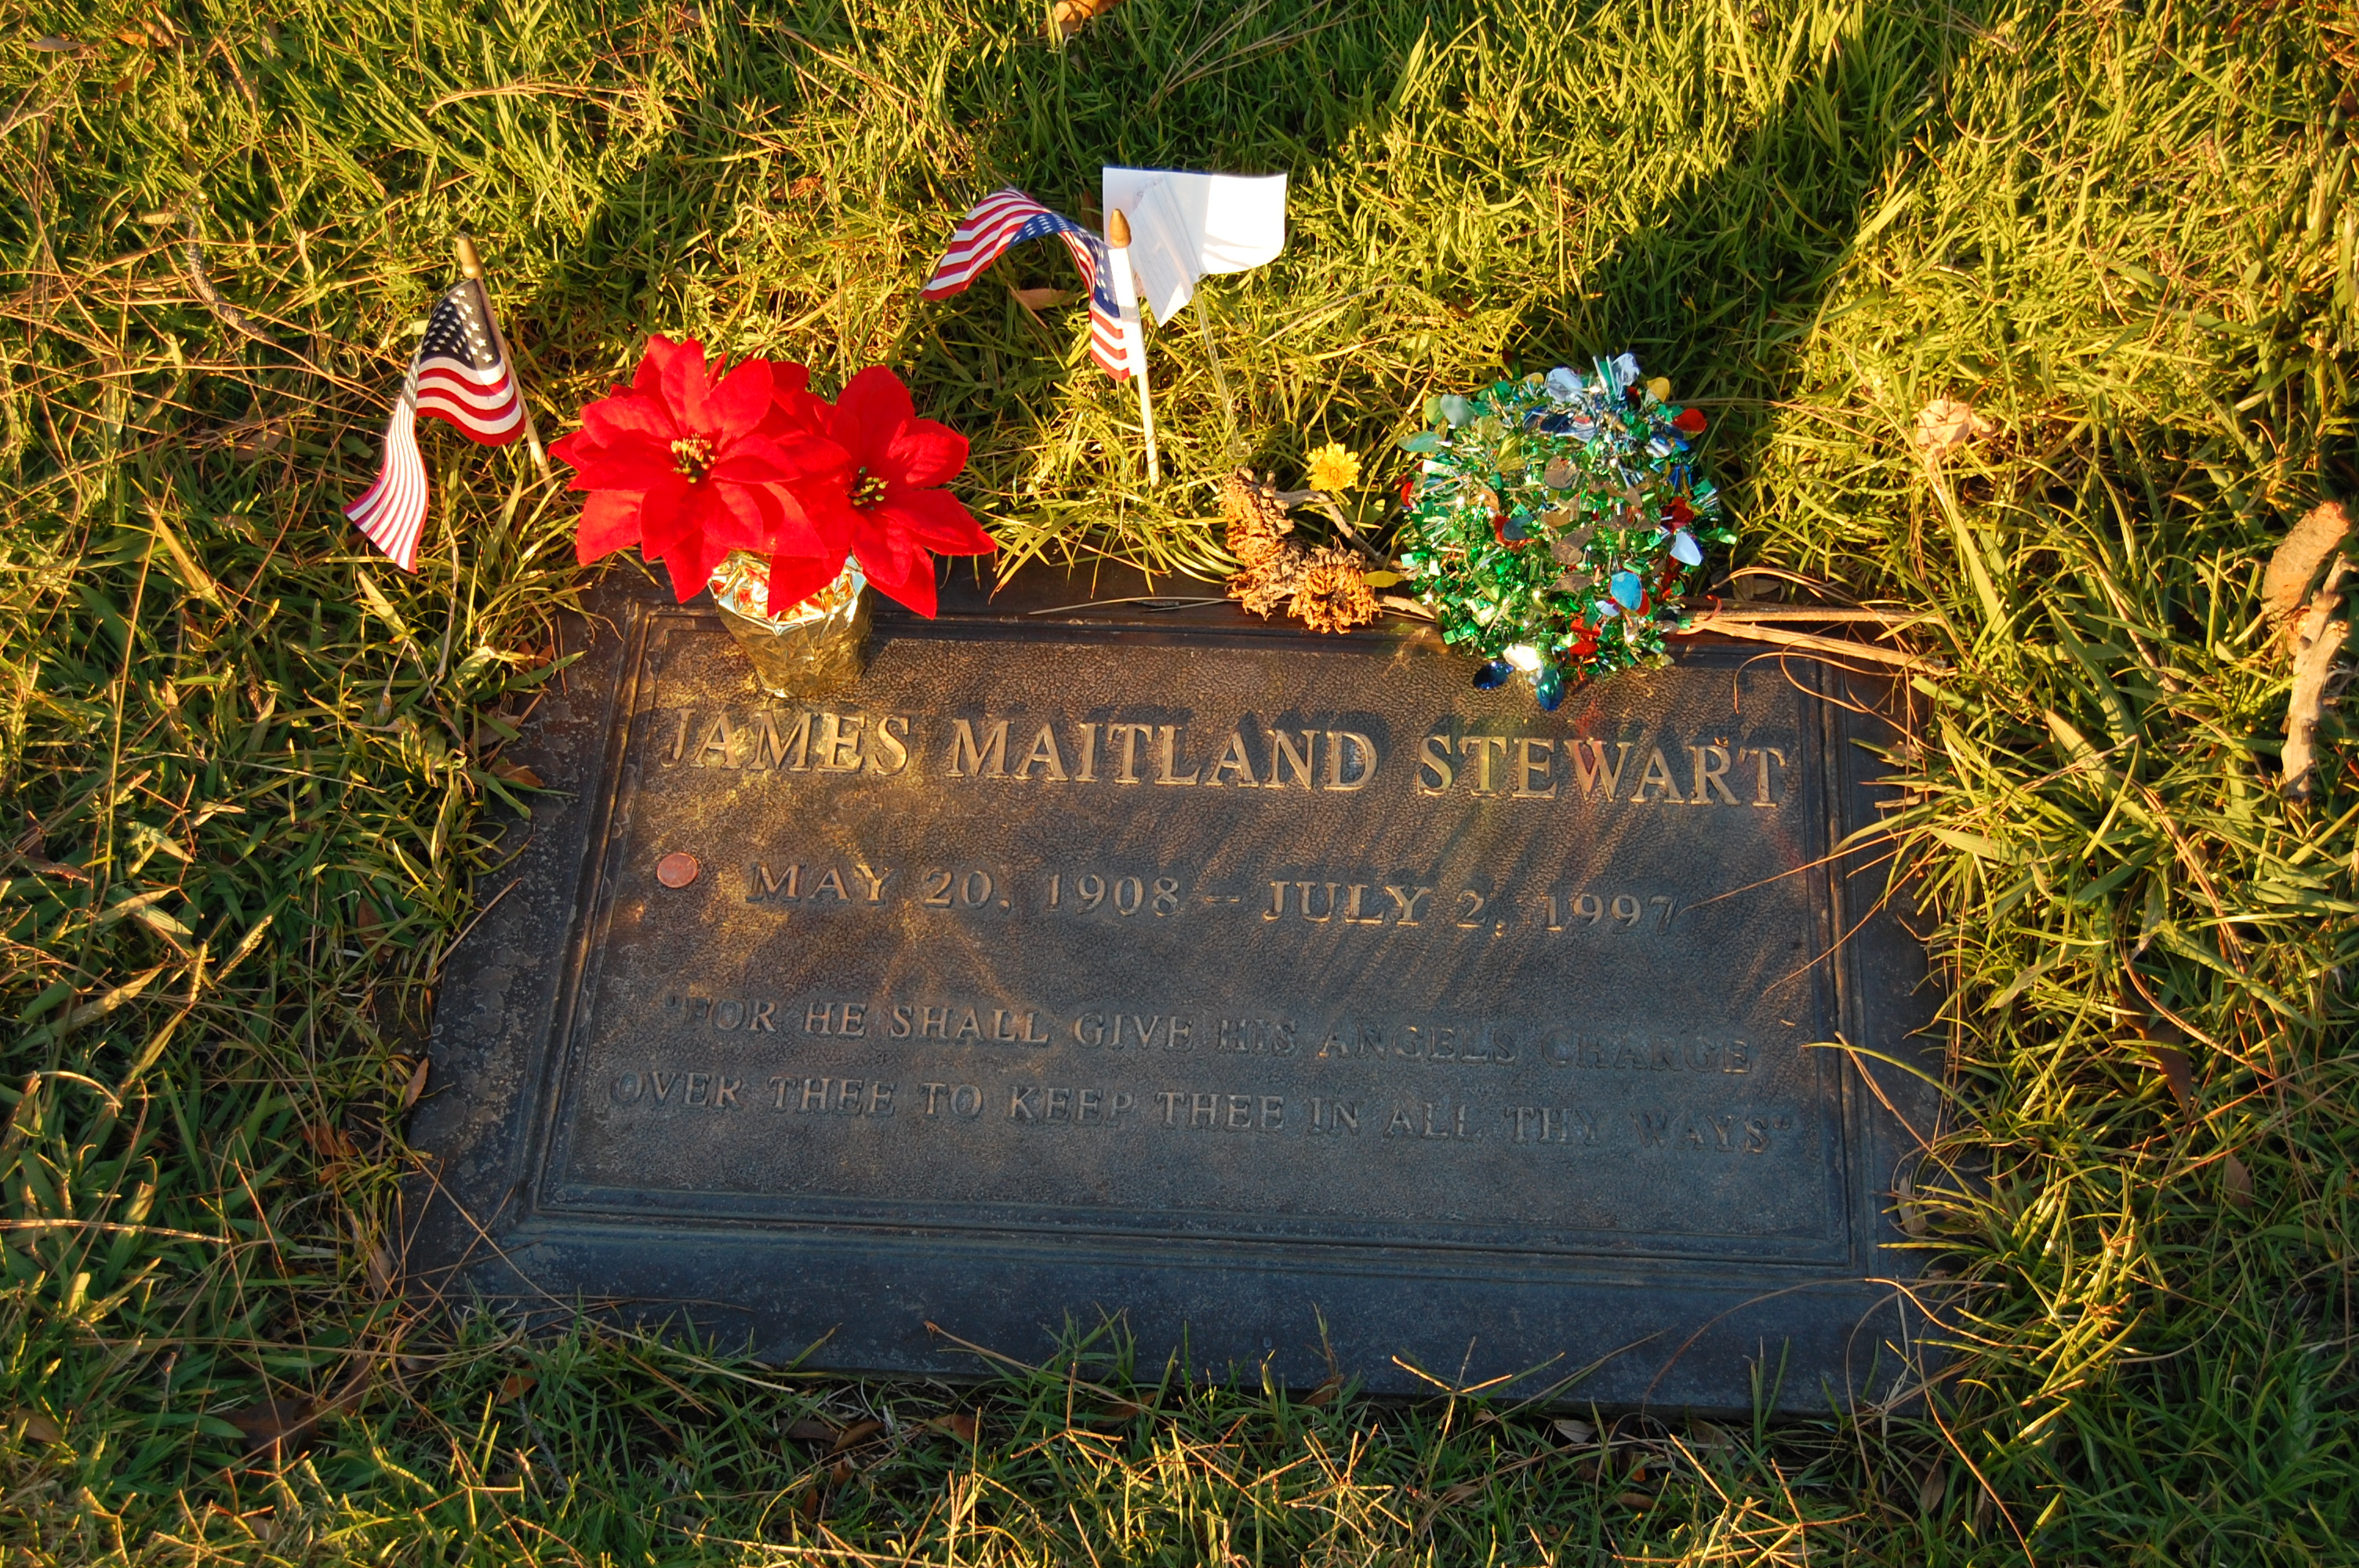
(1258, 520)
(1267, 587)
(1333, 595)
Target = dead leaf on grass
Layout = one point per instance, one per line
(1065, 15)
(329, 1141)
(1324, 1394)
(1043, 298)
(957, 1423)
(39, 1428)
(1930, 1489)
(287, 1425)
(2285, 586)
(516, 773)
(516, 1386)
(2237, 1179)
(416, 1084)
(854, 1436)
(249, 439)
(810, 1431)
(1945, 425)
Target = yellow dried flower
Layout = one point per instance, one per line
(1333, 594)
(1334, 467)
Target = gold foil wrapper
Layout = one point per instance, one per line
(816, 649)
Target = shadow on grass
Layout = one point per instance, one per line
(1725, 278)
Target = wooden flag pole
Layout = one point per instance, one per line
(470, 265)
(1134, 331)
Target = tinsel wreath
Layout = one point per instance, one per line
(1552, 523)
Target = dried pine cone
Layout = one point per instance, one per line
(1265, 588)
(1333, 595)
(1258, 520)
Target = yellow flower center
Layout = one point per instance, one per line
(692, 457)
(867, 489)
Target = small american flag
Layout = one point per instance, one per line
(459, 374)
(1007, 217)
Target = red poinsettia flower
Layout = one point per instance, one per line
(888, 499)
(689, 468)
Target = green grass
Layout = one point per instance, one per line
(246, 765)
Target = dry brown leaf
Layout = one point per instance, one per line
(285, 1424)
(516, 773)
(841, 1472)
(854, 1436)
(810, 1431)
(1064, 16)
(516, 1386)
(55, 43)
(1324, 1393)
(416, 1084)
(383, 1274)
(1945, 425)
(1640, 1501)
(2175, 1071)
(331, 1142)
(1930, 1489)
(1042, 298)
(2237, 1179)
(39, 1428)
(957, 1423)
(249, 439)
(1122, 1409)
(2285, 587)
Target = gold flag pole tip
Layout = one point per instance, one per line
(471, 266)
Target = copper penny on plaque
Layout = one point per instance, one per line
(676, 870)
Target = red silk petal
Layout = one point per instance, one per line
(740, 402)
(756, 513)
(664, 516)
(869, 414)
(704, 541)
(687, 388)
(908, 581)
(935, 519)
(610, 521)
(926, 453)
(634, 463)
(565, 447)
(655, 363)
(794, 579)
(609, 418)
(799, 411)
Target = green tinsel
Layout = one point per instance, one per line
(1554, 522)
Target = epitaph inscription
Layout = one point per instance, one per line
(1062, 949)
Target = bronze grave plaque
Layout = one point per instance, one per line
(1291, 1001)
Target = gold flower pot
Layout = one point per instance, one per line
(817, 649)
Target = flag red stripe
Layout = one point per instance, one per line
(392, 514)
